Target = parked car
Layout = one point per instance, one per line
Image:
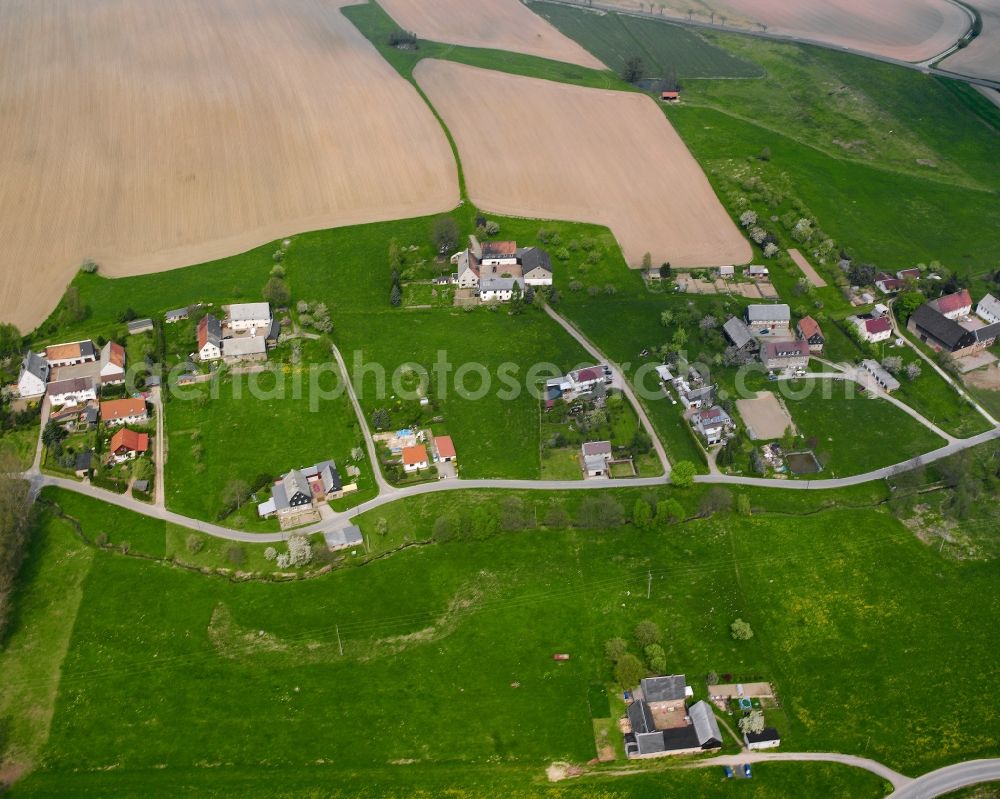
(747, 772)
(728, 771)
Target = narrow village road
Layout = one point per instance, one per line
(948, 779)
(898, 780)
(620, 382)
(161, 449)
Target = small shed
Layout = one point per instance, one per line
(670, 97)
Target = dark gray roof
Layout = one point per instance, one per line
(663, 689)
(988, 332)
(327, 471)
(702, 392)
(90, 414)
(84, 460)
(36, 365)
(737, 331)
(680, 738)
(945, 331)
(295, 483)
(640, 717)
(141, 485)
(766, 313)
(73, 385)
(138, 325)
(87, 350)
(706, 726)
(767, 734)
(347, 537)
(534, 258)
(213, 329)
(177, 313)
(279, 496)
(274, 331)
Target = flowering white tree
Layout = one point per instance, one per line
(913, 370)
(802, 230)
(748, 218)
(893, 363)
(270, 553)
(299, 550)
(752, 722)
(758, 234)
(770, 250)
(708, 322)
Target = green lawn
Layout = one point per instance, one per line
(663, 48)
(21, 443)
(239, 436)
(848, 432)
(235, 675)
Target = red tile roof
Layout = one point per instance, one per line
(129, 440)
(116, 354)
(492, 249)
(912, 272)
(590, 373)
(445, 446)
(952, 302)
(809, 327)
(880, 325)
(113, 410)
(412, 456)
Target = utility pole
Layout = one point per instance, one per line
(649, 585)
(340, 645)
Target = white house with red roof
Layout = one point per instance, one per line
(874, 330)
(127, 444)
(587, 379)
(953, 306)
(415, 458)
(112, 363)
(809, 331)
(444, 449)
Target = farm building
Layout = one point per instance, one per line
(176, 315)
(888, 284)
(112, 363)
(137, 326)
(953, 306)
(124, 411)
(667, 690)
(499, 289)
(742, 339)
(349, 536)
(809, 331)
(296, 495)
(767, 738)
(247, 348)
(491, 268)
(75, 391)
(71, 354)
(33, 376)
(768, 320)
(727, 271)
(941, 332)
(757, 272)
(787, 355)
(249, 316)
(645, 740)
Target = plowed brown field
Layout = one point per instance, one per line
(496, 24)
(564, 152)
(150, 134)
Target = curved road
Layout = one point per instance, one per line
(948, 779)
(898, 780)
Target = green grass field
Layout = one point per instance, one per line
(242, 678)
(849, 433)
(663, 48)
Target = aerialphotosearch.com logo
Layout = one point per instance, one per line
(319, 383)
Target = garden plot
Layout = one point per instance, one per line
(807, 268)
(496, 24)
(765, 416)
(605, 156)
(158, 133)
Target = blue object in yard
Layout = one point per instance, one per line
(728, 771)
(627, 695)
(745, 704)
(747, 772)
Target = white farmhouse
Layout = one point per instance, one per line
(33, 377)
(989, 309)
(209, 338)
(74, 391)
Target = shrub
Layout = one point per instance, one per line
(629, 671)
(194, 544)
(270, 554)
(89, 266)
(646, 633)
(656, 658)
(615, 649)
(741, 630)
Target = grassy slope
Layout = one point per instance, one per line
(46, 606)
(839, 639)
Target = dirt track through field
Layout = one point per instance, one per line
(494, 24)
(910, 30)
(807, 268)
(566, 152)
(151, 134)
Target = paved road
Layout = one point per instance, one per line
(948, 779)
(620, 382)
(898, 780)
(159, 486)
